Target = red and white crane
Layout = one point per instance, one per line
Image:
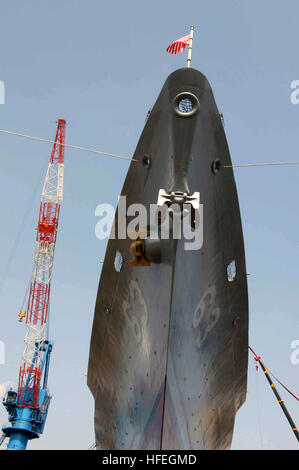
(27, 408)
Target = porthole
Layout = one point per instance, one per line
(185, 104)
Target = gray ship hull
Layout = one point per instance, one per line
(168, 353)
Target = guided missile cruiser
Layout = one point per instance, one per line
(169, 345)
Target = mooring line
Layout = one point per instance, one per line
(77, 147)
(260, 164)
(123, 157)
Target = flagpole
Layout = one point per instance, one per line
(190, 47)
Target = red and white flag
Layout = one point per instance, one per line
(179, 45)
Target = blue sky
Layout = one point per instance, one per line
(100, 65)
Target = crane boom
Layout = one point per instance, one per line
(28, 407)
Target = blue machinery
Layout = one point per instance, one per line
(26, 422)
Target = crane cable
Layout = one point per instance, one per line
(113, 155)
(19, 234)
(25, 296)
